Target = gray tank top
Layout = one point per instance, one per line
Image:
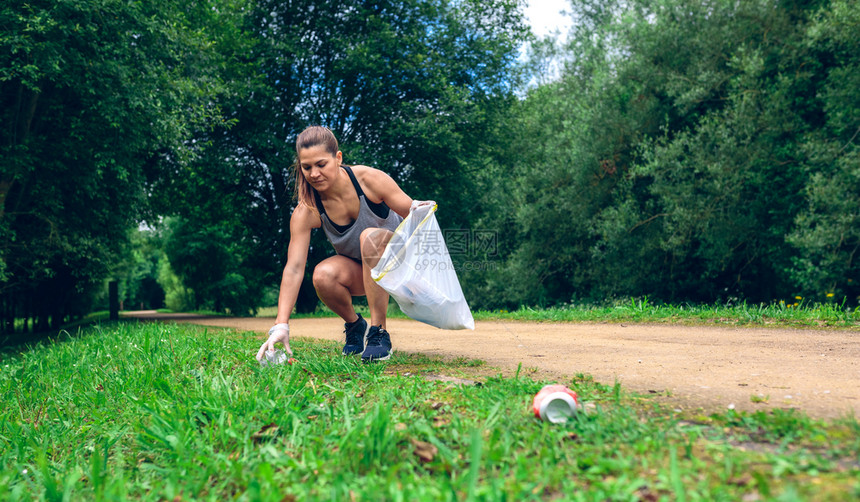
(345, 238)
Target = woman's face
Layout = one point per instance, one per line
(319, 167)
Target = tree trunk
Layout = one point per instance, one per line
(57, 318)
(5, 185)
(4, 308)
(30, 323)
(29, 114)
(26, 104)
(11, 311)
(42, 318)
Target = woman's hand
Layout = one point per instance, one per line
(419, 203)
(277, 333)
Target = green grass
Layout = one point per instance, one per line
(177, 412)
(796, 315)
(775, 315)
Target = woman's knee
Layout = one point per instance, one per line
(325, 275)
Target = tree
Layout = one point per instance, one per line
(205, 261)
(413, 87)
(138, 274)
(826, 233)
(92, 94)
(684, 142)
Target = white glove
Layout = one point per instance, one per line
(277, 333)
(419, 203)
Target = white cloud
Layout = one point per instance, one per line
(545, 17)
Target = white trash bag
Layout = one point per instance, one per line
(417, 271)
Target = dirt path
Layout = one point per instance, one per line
(711, 368)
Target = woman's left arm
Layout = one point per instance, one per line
(381, 186)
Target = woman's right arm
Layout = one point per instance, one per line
(302, 221)
(301, 224)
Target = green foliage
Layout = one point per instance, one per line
(827, 230)
(692, 151)
(205, 260)
(92, 94)
(137, 275)
(155, 412)
(413, 87)
(177, 297)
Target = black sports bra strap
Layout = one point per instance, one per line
(380, 209)
(355, 183)
(318, 201)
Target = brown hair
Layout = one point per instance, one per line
(310, 137)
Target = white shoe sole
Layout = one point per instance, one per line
(372, 359)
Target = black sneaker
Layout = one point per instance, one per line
(355, 334)
(377, 345)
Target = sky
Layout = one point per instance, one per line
(544, 16)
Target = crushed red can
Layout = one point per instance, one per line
(555, 403)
